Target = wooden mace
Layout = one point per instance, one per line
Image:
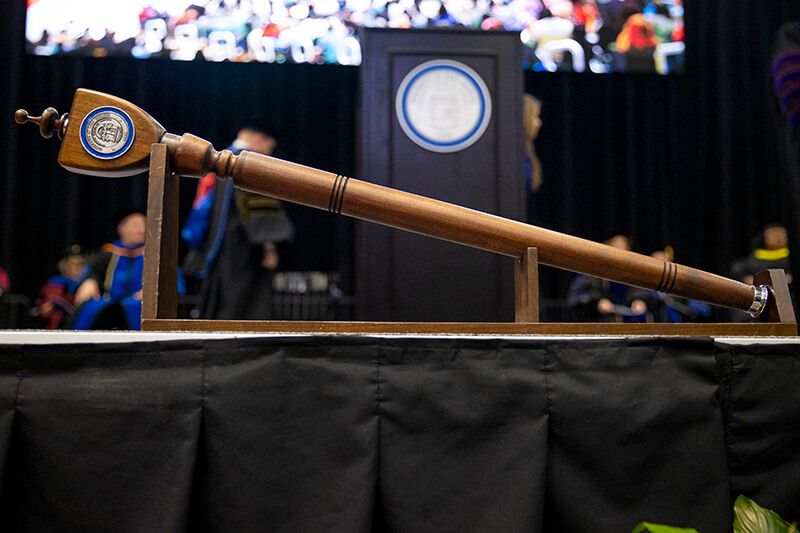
(106, 136)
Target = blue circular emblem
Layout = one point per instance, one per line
(107, 132)
(443, 105)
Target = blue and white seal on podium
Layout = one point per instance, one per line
(107, 132)
(443, 105)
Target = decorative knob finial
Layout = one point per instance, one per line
(48, 122)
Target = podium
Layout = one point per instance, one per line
(418, 88)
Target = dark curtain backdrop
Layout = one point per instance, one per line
(688, 160)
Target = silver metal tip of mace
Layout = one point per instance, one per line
(759, 301)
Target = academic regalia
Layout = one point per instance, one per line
(759, 260)
(5, 283)
(59, 292)
(673, 309)
(118, 271)
(226, 232)
(585, 291)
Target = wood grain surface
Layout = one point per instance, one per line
(765, 329)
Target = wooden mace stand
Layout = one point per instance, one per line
(160, 292)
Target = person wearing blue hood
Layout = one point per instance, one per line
(111, 295)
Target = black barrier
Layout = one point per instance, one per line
(351, 433)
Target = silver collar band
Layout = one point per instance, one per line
(759, 301)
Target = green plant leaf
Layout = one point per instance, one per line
(646, 527)
(749, 517)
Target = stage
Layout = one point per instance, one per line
(266, 432)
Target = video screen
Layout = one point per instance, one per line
(559, 35)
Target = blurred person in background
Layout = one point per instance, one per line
(598, 300)
(56, 302)
(5, 282)
(768, 249)
(673, 309)
(233, 238)
(532, 124)
(111, 295)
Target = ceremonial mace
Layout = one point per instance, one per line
(106, 136)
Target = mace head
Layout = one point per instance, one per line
(102, 135)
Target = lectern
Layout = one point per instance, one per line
(440, 115)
